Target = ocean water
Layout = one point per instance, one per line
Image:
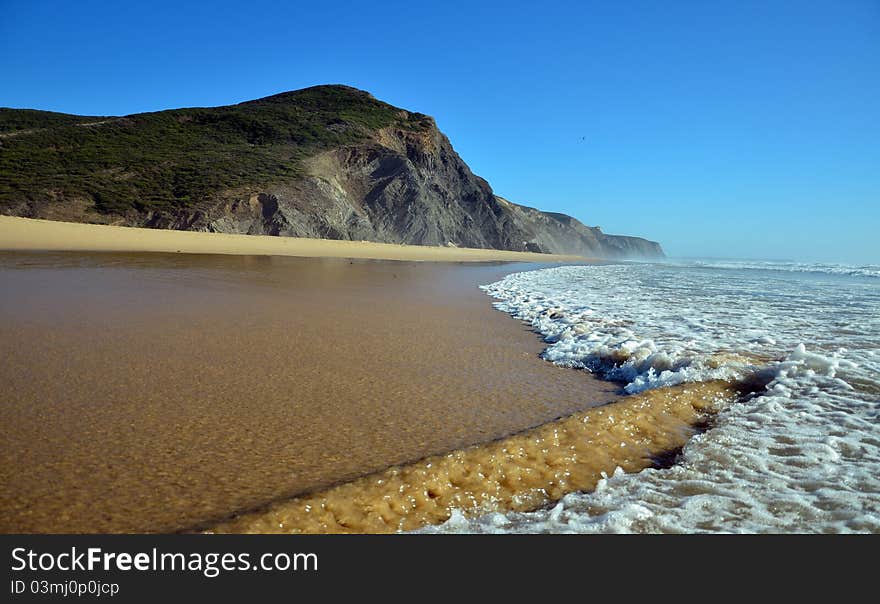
(802, 454)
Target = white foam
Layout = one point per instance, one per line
(803, 456)
(864, 270)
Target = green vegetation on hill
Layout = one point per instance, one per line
(174, 159)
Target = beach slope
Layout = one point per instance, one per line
(32, 235)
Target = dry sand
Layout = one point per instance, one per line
(29, 234)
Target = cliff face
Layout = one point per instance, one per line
(329, 162)
(566, 235)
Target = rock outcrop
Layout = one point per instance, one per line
(329, 162)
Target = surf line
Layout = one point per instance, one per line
(518, 473)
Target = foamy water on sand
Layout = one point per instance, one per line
(802, 454)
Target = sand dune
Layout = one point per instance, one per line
(30, 234)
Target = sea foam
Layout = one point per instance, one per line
(801, 455)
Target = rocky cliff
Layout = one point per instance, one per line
(329, 161)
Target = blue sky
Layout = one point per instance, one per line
(736, 129)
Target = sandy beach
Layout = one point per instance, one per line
(163, 392)
(30, 234)
(232, 388)
(523, 472)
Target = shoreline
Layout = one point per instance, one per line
(401, 399)
(149, 407)
(31, 234)
(521, 472)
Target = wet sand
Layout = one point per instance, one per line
(518, 473)
(164, 392)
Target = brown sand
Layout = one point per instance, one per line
(158, 392)
(29, 234)
(518, 473)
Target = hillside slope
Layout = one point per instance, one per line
(329, 162)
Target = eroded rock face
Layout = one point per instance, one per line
(566, 235)
(400, 183)
(403, 187)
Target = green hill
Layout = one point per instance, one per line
(328, 161)
(177, 158)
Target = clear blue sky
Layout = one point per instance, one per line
(747, 129)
